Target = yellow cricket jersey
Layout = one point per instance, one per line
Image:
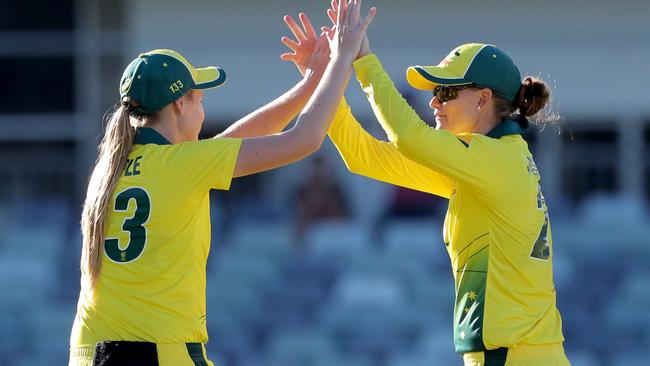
(152, 279)
(496, 229)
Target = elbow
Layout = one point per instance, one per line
(306, 140)
(307, 145)
(406, 145)
(313, 145)
(354, 169)
(405, 136)
(401, 142)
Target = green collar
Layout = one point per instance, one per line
(507, 127)
(146, 135)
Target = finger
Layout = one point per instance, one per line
(287, 57)
(322, 40)
(329, 32)
(290, 43)
(325, 45)
(306, 24)
(368, 19)
(347, 20)
(335, 5)
(356, 13)
(332, 15)
(295, 29)
(329, 36)
(340, 15)
(318, 46)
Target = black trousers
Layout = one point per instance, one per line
(127, 353)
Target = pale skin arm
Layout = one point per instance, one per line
(365, 155)
(269, 152)
(276, 115)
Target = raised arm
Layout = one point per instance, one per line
(264, 153)
(438, 150)
(365, 155)
(362, 153)
(276, 115)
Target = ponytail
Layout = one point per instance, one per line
(533, 96)
(113, 152)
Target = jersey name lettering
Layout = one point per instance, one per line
(132, 166)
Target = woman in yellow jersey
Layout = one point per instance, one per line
(146, 223)
(497, 229)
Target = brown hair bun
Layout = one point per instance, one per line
(532, 96)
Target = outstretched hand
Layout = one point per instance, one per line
(350, 29)
(304, 46)
(332, 13)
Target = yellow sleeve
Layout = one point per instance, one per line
(380, 160)
(439, 150)
(202, 165)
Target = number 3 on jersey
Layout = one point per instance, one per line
(137, 232)
(541, 249)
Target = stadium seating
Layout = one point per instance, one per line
(348, 297)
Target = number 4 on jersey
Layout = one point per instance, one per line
(541, 249)
(137, 232)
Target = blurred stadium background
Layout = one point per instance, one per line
(372, 288)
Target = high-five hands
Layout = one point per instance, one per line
(310, 51)
(332, 14)
(349, 30)
(307, 41)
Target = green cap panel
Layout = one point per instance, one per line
(491, 68)
(157, 78)
(471, 63)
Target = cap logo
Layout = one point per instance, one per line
(451, 57)
(126, 85)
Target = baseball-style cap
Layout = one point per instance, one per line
(471, 63)
(159, 77)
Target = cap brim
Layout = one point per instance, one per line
(428, 77)
(209, 77)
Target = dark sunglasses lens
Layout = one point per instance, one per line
(437, 92)
(445, 93)
(450, 93)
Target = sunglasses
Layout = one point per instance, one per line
(445, 93)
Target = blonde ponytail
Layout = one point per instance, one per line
(113, 152)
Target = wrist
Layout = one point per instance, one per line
(363, 53)
(311, 78)
(363, 60)
(345, 57)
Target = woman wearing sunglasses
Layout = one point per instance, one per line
(146, 217)
(497, 229)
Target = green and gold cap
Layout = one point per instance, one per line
(471, 63)
(159, 77)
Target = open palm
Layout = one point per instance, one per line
(304, 46)
(329, 31)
